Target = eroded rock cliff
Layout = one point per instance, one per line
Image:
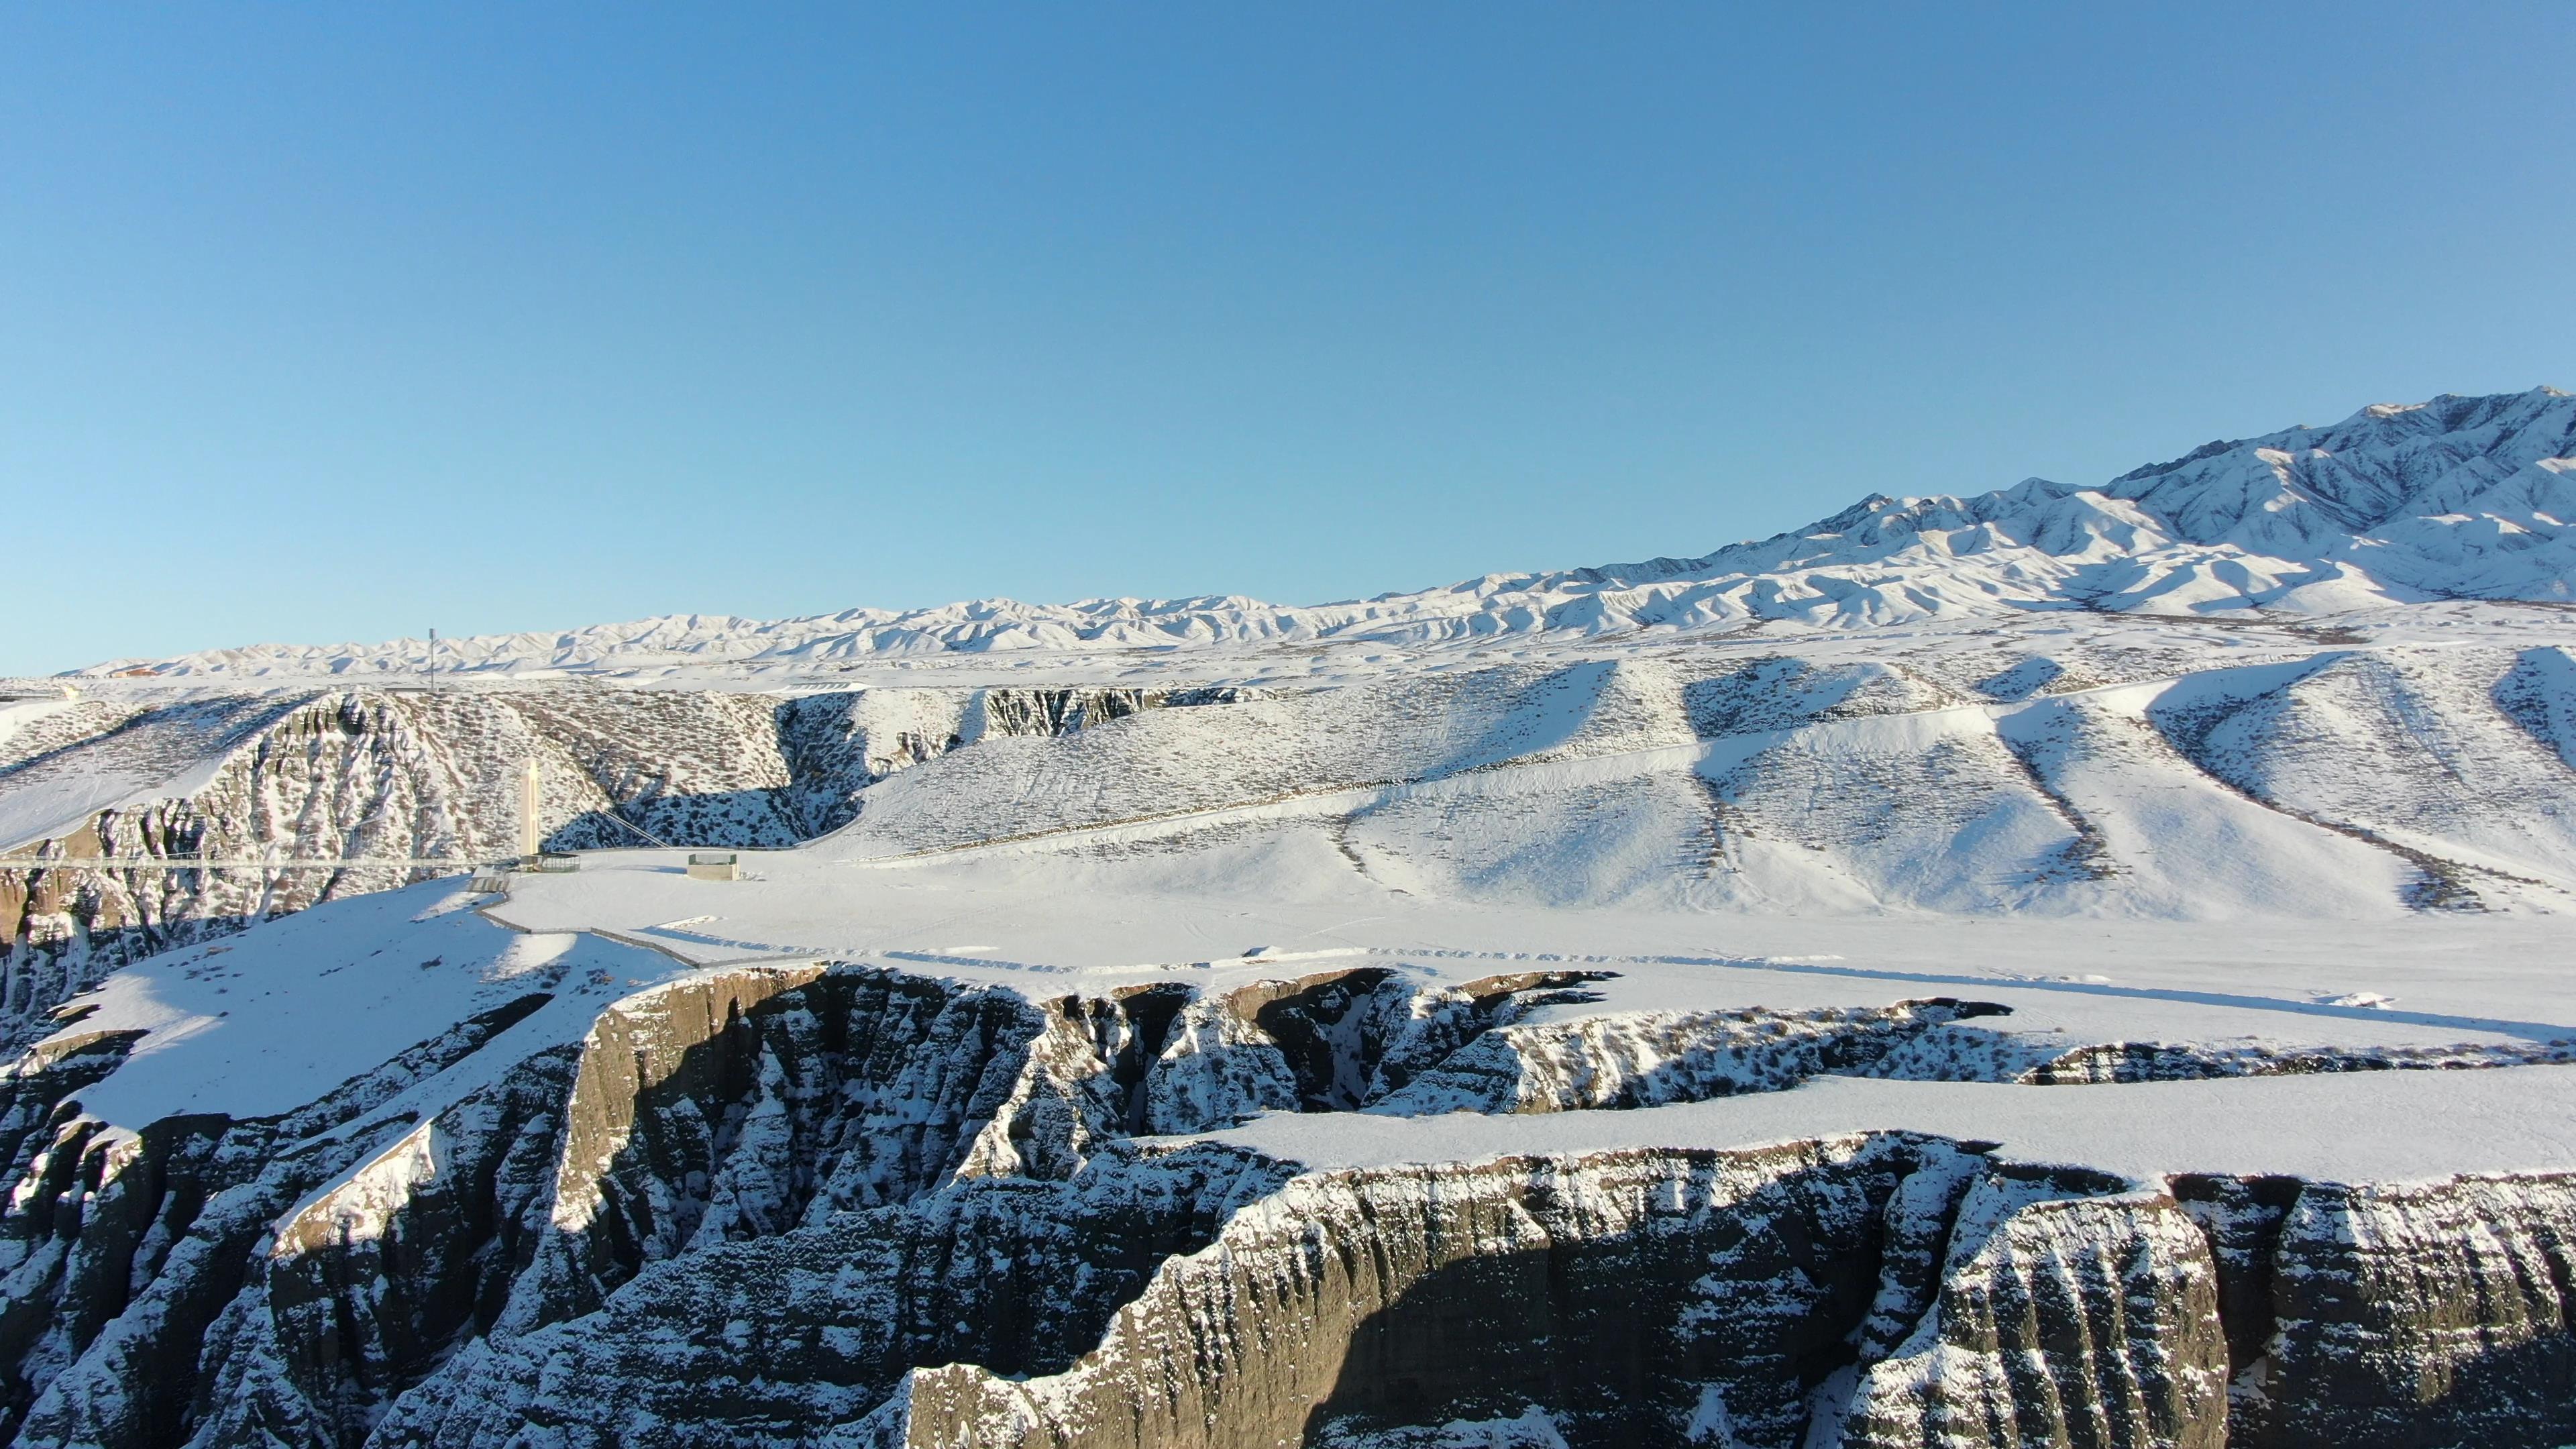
(829, 1205)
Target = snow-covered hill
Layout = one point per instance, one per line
(2460, 497)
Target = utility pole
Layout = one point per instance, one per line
(528, 840)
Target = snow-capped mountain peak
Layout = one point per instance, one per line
(2458, 497)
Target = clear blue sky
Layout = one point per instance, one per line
(340, 322)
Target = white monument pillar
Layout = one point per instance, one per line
(528, 838)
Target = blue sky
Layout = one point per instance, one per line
(324, 323)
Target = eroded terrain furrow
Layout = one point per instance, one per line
(120, 1246)
(1625, 1295)
(1334, 1041)
(2437, 1313)
(1648, 1059)
(2136, 1061)
(2069, 1312)
(787, 1338)
(2426, 758)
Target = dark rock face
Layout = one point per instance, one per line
(2425, 1315)
(782, 1338)
(722, 1108)
(120, 1247)
(749, 1103)
(2067, 1312)
(1649, 1058)
(1634, 1297)
(1332, 1042)
(371, 1285)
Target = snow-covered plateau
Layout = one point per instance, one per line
(2071, 966)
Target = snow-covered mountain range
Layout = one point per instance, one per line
(2457, 498)
(2071, 966)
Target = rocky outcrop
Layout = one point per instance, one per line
(742, 1103)
(1644, 1059)
(2421, 1315)
(2147, 1061)
(1877, 1292)
(721, 1108)
(1371, 1039)
(120, 1246)
(2069, 1312)
(1629, 1296)
(788, 1337)
(1334, 1041)
(370, 1284)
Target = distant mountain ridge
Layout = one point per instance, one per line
(2459, 497)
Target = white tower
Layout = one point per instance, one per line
(528, 838)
